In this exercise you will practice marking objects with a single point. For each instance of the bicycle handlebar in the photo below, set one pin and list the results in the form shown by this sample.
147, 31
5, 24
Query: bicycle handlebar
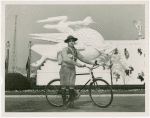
93, 67
96, 65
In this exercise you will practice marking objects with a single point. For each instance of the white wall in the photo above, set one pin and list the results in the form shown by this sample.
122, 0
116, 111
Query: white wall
50, 70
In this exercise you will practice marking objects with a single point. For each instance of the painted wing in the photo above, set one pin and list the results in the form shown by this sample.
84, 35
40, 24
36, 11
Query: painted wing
105, 47
48, 50
53, 37
53, 19
48, 39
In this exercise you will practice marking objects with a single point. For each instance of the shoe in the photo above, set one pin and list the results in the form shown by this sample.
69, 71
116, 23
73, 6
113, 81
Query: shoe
72, 105
65, 107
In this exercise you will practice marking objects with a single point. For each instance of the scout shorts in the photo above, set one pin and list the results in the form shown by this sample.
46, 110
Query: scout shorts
67, 75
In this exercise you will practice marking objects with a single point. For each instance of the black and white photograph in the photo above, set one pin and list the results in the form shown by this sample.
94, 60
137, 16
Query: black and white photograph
75, 58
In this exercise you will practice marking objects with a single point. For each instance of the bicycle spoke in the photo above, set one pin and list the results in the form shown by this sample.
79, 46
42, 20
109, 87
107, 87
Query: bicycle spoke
53, 93
101, 93
97, 88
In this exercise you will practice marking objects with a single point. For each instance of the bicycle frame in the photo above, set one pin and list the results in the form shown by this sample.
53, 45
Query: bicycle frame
91, 78
93, 81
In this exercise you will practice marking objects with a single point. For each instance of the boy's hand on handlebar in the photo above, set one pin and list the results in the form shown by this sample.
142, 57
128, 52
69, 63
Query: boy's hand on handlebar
80, 65
95, 63
99, 62
83, 65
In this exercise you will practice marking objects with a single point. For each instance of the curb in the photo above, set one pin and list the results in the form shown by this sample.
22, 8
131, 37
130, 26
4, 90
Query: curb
43, 96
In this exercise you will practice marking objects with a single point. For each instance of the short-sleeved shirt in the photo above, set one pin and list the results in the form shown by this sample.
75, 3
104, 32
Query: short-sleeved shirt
72, 54
68, 71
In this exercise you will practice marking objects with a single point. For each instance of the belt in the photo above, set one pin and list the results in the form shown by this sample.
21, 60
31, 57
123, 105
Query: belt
68, 65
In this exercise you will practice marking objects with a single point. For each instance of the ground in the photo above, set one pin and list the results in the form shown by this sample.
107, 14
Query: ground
38, 103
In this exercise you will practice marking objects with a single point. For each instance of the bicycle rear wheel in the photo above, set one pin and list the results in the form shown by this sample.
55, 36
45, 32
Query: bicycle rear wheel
101, 93
53, 93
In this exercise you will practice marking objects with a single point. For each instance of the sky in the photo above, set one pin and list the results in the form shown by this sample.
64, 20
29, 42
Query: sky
113, 22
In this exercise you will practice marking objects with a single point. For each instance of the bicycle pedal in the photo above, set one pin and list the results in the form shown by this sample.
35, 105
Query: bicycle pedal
67, 97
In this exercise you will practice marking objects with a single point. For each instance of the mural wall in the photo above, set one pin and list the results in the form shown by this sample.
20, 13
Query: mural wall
127, 64
112, 24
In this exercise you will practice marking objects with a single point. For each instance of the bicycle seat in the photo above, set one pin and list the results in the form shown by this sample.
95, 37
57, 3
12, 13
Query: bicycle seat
98, 78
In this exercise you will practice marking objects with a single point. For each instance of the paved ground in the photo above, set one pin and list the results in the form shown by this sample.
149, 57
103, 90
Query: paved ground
28, 103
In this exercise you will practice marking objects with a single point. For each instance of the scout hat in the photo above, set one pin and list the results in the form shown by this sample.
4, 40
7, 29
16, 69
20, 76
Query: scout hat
70, 37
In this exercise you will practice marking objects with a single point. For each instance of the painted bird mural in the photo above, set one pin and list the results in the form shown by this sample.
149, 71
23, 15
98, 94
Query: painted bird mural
140, 76
140, 51
90, 43
126, 53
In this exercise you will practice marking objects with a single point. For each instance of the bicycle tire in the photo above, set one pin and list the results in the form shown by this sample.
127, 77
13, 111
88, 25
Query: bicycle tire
53, 93
104, 90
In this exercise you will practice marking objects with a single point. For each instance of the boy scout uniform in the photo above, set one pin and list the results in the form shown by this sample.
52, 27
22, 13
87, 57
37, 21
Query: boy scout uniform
68, 71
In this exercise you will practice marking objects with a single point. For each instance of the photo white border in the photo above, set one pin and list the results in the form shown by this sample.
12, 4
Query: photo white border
74, 114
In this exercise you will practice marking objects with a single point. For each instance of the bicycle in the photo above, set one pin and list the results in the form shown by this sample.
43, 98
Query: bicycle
99, 90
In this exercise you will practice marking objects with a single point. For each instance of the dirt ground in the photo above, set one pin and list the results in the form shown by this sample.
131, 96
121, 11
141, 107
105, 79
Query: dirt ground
38, 103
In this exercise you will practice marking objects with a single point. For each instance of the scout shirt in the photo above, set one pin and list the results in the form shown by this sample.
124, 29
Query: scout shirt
71, 53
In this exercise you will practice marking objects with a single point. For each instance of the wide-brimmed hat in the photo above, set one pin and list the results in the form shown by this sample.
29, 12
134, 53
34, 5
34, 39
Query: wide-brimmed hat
70, 37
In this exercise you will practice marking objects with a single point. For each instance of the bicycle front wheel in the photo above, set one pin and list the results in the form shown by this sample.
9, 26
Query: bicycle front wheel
53, 93
101, 93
